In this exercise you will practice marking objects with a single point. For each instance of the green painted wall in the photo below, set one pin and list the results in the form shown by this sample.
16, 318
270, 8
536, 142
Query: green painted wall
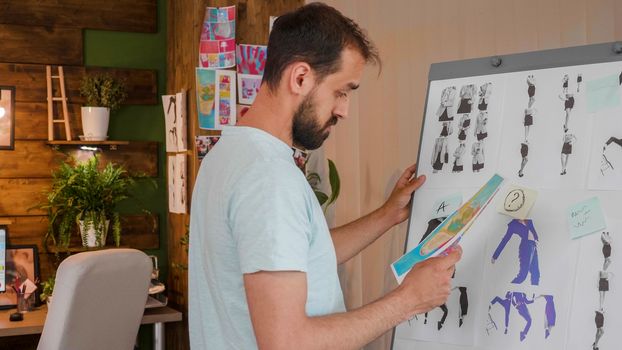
146, 122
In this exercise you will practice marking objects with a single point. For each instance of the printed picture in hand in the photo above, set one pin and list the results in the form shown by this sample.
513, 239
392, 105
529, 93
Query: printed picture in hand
449, 231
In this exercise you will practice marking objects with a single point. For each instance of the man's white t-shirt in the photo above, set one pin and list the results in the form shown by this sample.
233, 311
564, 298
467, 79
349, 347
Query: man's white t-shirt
253, 210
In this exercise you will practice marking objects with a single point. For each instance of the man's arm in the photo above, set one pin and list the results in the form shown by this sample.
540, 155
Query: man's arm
276, 302
351, 238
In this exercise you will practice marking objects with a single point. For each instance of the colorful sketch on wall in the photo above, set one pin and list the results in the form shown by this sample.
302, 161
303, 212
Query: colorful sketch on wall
215, 98
251, 62
204, 144
217, 45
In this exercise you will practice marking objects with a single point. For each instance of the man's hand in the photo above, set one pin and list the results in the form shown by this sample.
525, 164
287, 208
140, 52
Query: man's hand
397, 207
428, 284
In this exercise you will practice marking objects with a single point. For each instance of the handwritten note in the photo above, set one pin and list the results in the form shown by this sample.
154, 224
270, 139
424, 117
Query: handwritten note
446, 205
517, 202
585, 217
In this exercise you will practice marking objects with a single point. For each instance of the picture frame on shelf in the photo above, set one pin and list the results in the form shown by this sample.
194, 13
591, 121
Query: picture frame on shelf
21, 261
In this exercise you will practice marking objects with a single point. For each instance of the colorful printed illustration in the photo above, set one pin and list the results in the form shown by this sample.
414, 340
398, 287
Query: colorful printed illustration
248, 88
215, 97
251, 59
450, 231
217, 46
520, 302
527, 250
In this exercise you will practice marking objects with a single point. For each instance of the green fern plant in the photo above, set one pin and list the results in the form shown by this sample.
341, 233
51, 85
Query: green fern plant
84, 192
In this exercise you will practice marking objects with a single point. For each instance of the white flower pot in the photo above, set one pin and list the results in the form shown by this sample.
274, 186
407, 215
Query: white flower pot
95, 123
93, 237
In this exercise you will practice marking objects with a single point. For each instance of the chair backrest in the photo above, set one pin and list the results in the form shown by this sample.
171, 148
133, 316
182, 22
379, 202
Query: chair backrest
98, 301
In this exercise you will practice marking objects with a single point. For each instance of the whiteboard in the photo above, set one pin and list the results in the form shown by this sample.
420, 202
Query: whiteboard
543, 122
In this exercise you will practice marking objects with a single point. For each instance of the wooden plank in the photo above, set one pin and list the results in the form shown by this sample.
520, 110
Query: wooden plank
19, 195
140, 231
36, 159
31, 121
30, 159
121, 15
29, 79
137, 157
44, 45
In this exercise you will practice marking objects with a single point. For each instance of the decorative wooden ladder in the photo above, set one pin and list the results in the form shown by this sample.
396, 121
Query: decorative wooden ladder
52, 99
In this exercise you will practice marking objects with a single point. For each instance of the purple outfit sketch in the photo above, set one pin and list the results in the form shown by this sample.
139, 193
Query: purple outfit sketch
520, 301
549, 313
505, 303
527, 250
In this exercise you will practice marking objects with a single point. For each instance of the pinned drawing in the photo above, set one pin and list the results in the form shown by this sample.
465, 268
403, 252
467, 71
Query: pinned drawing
569, 140
251, 59
215, 98
521, 303
175, 120
217, 45
446, 110
527, 250
477, 151
531, 90
177, 183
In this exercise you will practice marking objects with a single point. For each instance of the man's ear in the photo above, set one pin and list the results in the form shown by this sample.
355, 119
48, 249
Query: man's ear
301, 78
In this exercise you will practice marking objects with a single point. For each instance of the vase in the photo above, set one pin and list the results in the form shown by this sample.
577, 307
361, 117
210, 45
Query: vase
95, 123
94, 234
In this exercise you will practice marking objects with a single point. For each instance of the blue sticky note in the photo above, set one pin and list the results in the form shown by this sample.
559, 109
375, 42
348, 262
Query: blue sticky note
585, 217
603, 93
445, 206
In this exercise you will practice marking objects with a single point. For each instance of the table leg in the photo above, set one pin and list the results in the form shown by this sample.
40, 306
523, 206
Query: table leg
158, 336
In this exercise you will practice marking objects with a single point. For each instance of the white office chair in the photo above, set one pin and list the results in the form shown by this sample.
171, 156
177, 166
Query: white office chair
99, 300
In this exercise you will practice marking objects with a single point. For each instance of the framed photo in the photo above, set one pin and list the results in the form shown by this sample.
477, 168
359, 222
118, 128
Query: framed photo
22, 262
7, 117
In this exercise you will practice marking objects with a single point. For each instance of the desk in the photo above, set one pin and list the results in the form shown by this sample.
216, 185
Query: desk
34, 320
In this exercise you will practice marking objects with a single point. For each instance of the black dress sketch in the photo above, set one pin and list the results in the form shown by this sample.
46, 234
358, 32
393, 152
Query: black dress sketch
565, 83
524, 152
599, 319
465, 124
603, 286
485, 90
579, 81
531, 90
445, 111
477, 151
458, 162
481, 131
528, 121
606, 239
569, 140
568, 106
439, 154
467, 92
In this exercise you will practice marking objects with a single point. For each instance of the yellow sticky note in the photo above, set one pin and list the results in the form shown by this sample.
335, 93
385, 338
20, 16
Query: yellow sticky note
517, 202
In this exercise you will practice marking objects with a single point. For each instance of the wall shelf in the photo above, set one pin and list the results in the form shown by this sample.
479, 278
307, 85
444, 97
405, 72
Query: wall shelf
111, 144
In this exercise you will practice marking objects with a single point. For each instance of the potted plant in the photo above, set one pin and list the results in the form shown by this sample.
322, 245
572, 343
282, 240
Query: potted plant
104, 94
47, 288
88, 196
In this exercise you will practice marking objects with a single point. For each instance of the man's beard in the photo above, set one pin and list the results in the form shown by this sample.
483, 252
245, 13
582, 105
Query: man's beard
306, 129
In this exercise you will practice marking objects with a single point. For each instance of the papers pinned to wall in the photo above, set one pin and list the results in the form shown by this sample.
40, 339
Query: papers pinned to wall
215, 98
217, 45
175, 120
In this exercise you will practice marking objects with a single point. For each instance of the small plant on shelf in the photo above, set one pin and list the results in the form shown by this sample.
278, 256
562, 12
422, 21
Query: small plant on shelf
103, 90
83, 194
104, 94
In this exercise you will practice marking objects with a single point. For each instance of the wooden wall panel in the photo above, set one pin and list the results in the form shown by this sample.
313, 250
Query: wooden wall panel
30, 159
44, 45
19, 195
31, 84
37, 159
137, 231
120, 15
31, 120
